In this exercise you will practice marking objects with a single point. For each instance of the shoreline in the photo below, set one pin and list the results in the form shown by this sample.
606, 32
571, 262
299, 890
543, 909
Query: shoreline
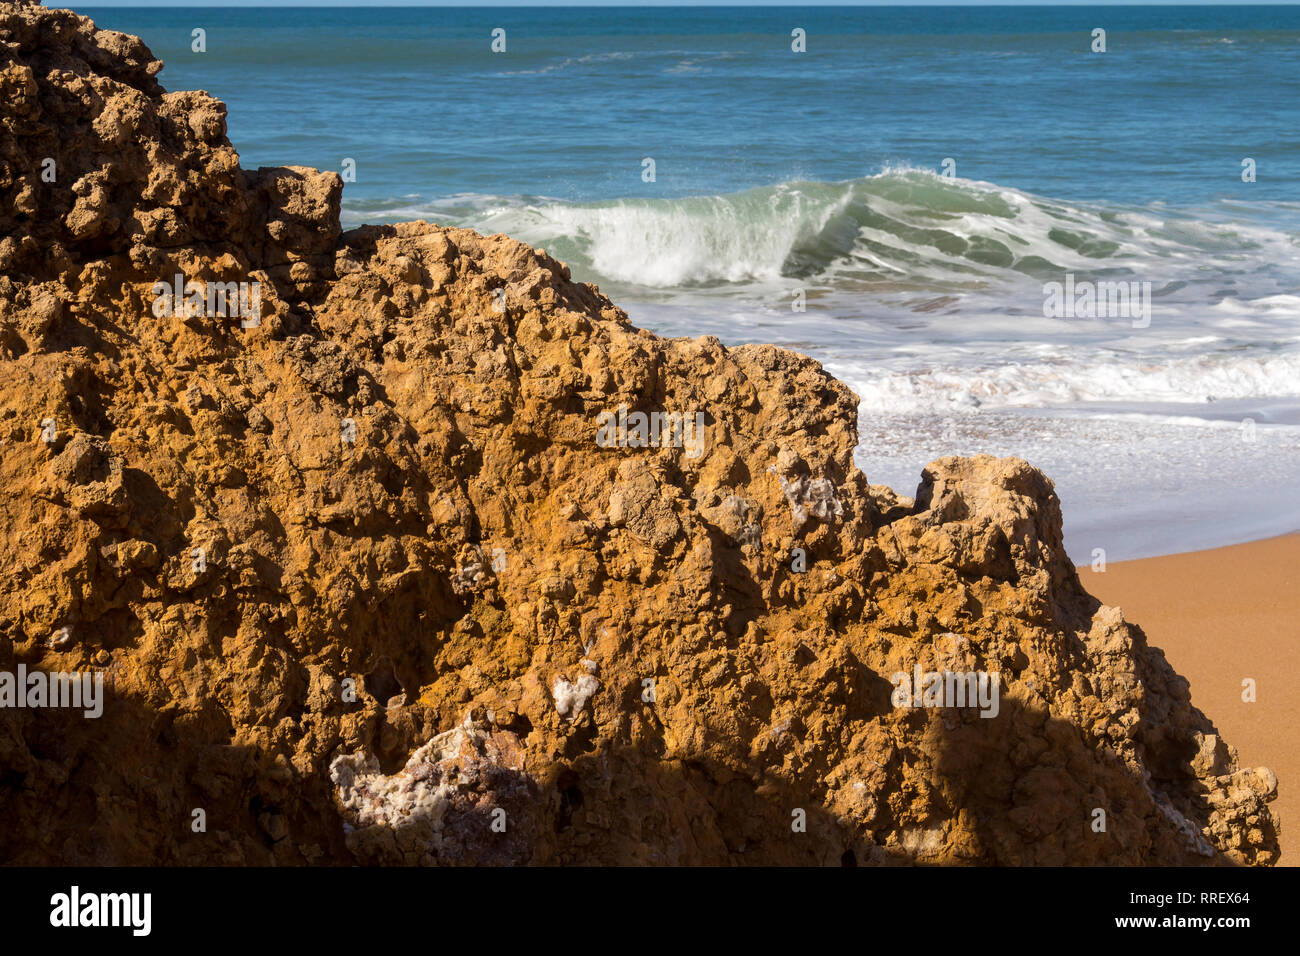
1222, 615
1085, 568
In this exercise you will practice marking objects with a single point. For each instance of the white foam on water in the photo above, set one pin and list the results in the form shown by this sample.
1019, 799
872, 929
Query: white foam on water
951, 389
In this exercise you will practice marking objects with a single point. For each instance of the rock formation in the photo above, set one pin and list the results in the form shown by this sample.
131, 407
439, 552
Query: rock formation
365, 588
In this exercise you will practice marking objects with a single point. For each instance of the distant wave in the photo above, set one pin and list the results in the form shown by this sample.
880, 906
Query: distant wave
570, 61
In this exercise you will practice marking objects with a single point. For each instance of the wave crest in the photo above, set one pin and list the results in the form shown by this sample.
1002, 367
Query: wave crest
903, 229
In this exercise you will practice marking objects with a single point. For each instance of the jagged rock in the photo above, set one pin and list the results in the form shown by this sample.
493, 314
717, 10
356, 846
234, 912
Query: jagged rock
333, 532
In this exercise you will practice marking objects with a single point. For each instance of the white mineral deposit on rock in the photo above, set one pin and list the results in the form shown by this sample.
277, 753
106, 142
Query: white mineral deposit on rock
570, 698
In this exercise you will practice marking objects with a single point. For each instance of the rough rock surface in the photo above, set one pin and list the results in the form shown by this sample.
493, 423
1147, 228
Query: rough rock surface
359, 575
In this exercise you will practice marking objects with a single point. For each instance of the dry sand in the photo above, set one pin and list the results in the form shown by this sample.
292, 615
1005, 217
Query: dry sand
1221, 616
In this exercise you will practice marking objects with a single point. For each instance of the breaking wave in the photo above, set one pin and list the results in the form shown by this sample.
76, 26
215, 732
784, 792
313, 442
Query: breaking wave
903, 229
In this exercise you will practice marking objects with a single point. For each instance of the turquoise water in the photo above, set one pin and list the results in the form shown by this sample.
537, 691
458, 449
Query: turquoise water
814, 178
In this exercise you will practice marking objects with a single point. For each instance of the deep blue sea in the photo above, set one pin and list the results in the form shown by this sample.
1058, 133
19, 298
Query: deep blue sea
893, 200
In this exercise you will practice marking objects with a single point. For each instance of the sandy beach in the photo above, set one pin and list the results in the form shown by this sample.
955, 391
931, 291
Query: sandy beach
1222, 616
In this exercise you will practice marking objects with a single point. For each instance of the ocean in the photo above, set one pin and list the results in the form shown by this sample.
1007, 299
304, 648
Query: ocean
910, 200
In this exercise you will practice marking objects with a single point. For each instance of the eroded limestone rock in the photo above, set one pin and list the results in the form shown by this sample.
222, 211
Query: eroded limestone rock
337, 531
